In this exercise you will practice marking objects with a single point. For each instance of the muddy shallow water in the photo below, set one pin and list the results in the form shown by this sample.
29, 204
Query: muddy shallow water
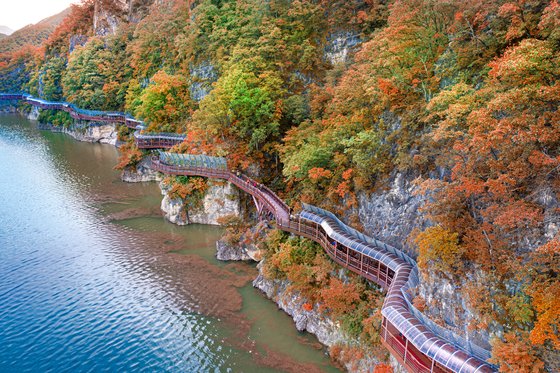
93, 279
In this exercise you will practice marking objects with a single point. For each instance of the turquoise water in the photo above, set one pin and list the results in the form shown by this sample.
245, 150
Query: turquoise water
93, 279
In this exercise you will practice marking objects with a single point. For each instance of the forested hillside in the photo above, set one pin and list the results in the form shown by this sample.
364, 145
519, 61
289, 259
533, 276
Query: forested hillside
18, 49
327, 99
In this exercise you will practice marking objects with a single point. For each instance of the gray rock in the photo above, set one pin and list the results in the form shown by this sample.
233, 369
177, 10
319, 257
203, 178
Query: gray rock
221, 199
141, 173
106, 20
227, 252
339, 46
86, 131
202, 77
391, 215
77, 41
326, 330
33, 114
104, 134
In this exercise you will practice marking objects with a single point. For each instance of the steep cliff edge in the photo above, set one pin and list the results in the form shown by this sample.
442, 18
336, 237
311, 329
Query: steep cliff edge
110, 14
328, 332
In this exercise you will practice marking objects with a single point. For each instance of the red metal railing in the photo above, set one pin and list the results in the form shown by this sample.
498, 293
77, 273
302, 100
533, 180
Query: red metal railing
157, 142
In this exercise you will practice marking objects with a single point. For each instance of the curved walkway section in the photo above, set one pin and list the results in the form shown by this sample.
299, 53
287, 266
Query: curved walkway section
418, 343
215, 167
408, 334
404, 333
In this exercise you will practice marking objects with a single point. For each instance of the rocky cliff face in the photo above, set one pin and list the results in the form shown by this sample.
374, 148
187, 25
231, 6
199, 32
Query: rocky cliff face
246, 247
203, 75
105, 134
33, 114
226, 252
221, 199
110, 14
340, 46
391, 215
327, 331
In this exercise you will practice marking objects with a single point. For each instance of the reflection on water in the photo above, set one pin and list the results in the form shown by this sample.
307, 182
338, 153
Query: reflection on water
92, 278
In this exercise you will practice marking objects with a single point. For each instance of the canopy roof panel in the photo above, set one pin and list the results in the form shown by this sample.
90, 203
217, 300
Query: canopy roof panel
192, 161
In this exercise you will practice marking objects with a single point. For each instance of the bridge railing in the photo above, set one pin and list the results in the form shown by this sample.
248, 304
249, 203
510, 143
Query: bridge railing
279, 200
246, 184
74, 111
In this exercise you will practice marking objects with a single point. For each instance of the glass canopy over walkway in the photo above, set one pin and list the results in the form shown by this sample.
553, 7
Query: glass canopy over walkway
193, 161
403, 325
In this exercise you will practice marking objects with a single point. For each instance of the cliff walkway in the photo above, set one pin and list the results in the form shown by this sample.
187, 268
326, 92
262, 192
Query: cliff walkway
408, 334
414, 340
143, 140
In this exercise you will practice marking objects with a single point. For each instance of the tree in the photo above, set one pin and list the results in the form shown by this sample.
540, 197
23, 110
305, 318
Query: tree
97, 74
339, 298
439, 249
165, 103
513, 354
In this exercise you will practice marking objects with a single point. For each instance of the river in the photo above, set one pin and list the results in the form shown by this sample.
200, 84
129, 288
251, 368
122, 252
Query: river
93, 279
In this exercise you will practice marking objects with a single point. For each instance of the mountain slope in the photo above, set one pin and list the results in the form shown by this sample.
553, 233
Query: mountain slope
30, 35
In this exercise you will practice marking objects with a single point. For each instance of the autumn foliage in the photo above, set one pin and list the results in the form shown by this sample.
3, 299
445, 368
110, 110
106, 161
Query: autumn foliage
351, 302
328, 101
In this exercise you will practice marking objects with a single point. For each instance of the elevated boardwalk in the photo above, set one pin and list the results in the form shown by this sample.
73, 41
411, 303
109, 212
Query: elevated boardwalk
406, 333
157, 140
143, 140
415, 341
